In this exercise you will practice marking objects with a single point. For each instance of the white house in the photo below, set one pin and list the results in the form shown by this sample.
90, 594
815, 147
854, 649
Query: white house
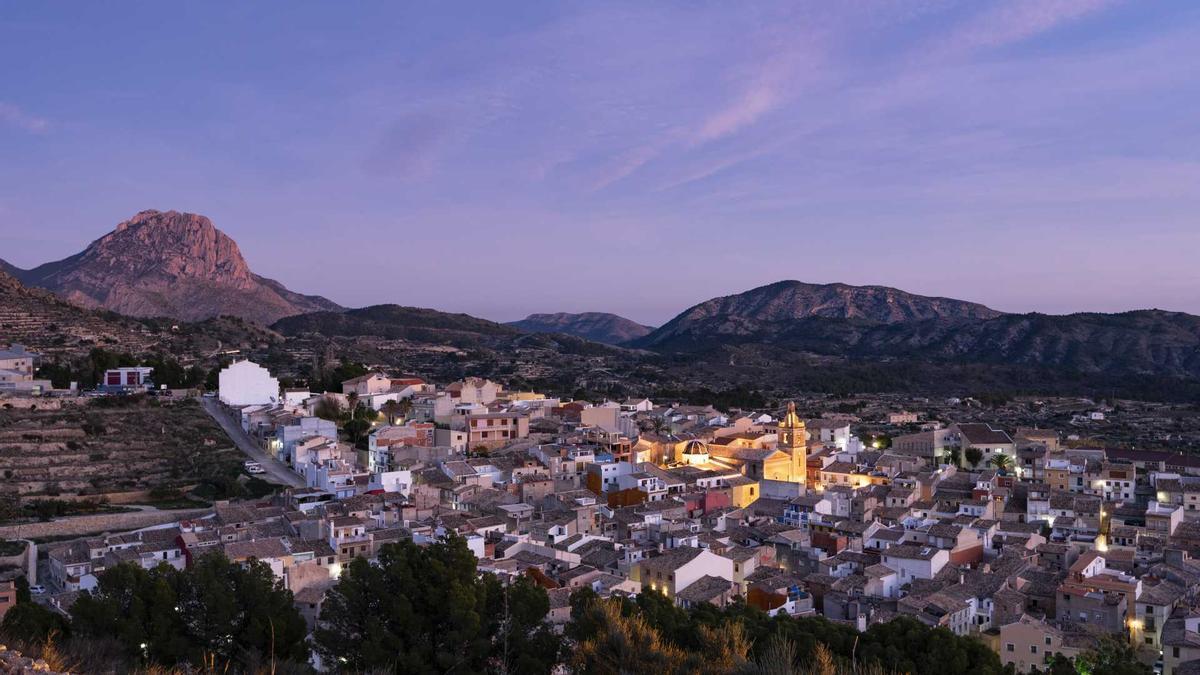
288, 435
296, 397
833, 432
247, 383
392, 481
913, 561
633, 405
676, 569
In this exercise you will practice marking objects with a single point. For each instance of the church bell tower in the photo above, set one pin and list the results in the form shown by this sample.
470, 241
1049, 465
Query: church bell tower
793, 439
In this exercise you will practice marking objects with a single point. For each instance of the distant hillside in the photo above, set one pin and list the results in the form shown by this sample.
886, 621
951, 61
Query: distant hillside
396, 322
873, 323
761, 312
595, 326
169, 264
50, 325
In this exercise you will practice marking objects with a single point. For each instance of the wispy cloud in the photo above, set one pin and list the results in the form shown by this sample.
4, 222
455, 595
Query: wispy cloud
757, 100
1012, 22
772, 82
14, 116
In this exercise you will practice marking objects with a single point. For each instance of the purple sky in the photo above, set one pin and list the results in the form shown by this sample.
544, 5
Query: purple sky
504, 158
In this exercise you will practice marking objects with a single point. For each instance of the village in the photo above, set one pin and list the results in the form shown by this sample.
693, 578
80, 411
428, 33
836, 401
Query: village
1032, 544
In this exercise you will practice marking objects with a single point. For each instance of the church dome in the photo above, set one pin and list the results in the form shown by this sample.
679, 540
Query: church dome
695, 452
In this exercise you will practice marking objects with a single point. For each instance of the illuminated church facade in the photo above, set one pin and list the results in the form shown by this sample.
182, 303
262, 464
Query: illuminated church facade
786, 460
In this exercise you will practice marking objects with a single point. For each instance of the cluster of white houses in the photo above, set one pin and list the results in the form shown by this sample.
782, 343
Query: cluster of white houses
1007, 535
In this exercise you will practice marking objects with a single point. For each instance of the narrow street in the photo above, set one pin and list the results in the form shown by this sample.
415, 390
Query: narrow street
277, 471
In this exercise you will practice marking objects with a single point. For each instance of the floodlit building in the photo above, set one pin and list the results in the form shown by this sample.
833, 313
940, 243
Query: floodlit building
247, 383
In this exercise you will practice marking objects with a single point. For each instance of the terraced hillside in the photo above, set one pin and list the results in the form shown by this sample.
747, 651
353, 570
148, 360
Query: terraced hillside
110, 447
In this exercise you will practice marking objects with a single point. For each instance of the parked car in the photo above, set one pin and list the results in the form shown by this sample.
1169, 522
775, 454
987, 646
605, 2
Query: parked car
254, 467
37, 589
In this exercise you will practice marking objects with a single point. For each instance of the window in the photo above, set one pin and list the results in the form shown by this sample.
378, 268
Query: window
1009, 647
1047, 640
1032, 649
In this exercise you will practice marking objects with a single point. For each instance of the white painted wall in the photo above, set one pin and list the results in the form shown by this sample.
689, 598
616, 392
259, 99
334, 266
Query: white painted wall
247, 383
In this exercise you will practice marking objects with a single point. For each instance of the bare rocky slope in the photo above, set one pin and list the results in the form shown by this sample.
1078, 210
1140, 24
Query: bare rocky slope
595, 326
169, 264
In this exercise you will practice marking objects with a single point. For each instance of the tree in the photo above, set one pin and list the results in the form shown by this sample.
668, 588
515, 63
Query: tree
356, 428
973, 455
329, 409
954, 454
424, 609
524, 642
1112, 655
215, 612
392, 410
30, 623
1001, 461
212, 380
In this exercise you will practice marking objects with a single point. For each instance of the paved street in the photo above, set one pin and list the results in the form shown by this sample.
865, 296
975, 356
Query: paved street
277, 471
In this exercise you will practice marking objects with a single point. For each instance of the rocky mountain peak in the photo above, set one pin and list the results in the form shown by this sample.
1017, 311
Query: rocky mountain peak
168, 263
171, 244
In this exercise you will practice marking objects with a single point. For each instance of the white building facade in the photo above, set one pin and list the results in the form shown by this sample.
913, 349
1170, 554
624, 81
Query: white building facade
247, 383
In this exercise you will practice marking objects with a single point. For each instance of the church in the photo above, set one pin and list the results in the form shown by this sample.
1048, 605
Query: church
785, 460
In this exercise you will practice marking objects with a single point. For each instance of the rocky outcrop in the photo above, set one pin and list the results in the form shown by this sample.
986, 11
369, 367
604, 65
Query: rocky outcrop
171, 264
595, 326
13, 663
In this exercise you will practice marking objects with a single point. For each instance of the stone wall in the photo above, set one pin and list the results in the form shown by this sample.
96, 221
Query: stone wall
103, 522
31, 403
25, 560
121, 498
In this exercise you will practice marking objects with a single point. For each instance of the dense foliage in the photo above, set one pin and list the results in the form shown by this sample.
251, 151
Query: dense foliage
213, 612
88, 371
901, 645
426, 610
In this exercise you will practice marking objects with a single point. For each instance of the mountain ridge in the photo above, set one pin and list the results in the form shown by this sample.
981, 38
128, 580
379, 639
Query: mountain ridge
939, 330
168, 263
603, 327
747, 312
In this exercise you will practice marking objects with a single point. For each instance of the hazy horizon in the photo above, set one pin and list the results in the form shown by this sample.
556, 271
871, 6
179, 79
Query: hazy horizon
502, 160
